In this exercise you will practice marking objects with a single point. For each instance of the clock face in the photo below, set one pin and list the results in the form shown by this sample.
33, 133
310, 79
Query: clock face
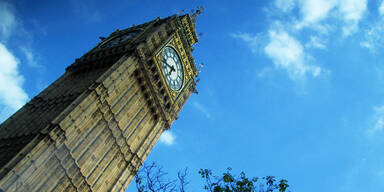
120, 39
172, 68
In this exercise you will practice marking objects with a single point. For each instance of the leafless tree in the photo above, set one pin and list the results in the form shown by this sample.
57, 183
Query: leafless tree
151, 178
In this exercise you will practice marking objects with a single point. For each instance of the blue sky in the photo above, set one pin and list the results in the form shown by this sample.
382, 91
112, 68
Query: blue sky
291, 88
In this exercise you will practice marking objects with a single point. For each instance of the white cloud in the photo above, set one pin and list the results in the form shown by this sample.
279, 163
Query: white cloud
30, 60
264, 72
7, 20
320, 15
11, 92
353, 9
377, 125
167, 138
314, 11
381, 8
30, 57
367, 45
252, 40
12, 95
316, 42
8, 24
287, 53
285, 5
202, 109
373, 36
352, 12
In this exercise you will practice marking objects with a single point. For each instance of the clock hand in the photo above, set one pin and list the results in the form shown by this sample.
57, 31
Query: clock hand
170, 66
172, 69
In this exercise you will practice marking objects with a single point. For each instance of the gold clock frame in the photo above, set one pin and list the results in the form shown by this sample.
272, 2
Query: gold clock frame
175, 42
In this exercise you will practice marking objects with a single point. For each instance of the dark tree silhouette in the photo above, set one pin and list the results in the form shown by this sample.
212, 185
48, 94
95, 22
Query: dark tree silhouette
232, 183
151, 178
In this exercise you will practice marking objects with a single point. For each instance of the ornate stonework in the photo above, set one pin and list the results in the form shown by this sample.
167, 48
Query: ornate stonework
92, 128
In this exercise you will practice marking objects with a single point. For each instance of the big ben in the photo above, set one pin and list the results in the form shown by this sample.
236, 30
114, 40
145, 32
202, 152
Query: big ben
93, 127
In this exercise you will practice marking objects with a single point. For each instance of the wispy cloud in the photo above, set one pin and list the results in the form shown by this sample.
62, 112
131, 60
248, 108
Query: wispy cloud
32, 61
84, 9
374, 33
381, 8
30, 57
316, 42
7, 20
285, 5
374, 36
377, 121
167, 138
264, 72
252, 40
202, 109
287, 53
320, 14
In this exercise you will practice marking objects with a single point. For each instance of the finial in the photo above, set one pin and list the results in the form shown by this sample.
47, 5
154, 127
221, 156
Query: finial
201, 65
194, 90
102, 38
181, 12
196, 13
199, 35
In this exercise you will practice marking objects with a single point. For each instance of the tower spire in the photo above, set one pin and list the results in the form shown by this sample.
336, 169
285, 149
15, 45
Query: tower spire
92, 128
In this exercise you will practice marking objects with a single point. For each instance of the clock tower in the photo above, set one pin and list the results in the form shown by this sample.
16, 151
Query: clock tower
92, 128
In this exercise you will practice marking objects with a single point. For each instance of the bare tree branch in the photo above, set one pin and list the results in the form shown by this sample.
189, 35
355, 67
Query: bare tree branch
151, 178
183, 182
